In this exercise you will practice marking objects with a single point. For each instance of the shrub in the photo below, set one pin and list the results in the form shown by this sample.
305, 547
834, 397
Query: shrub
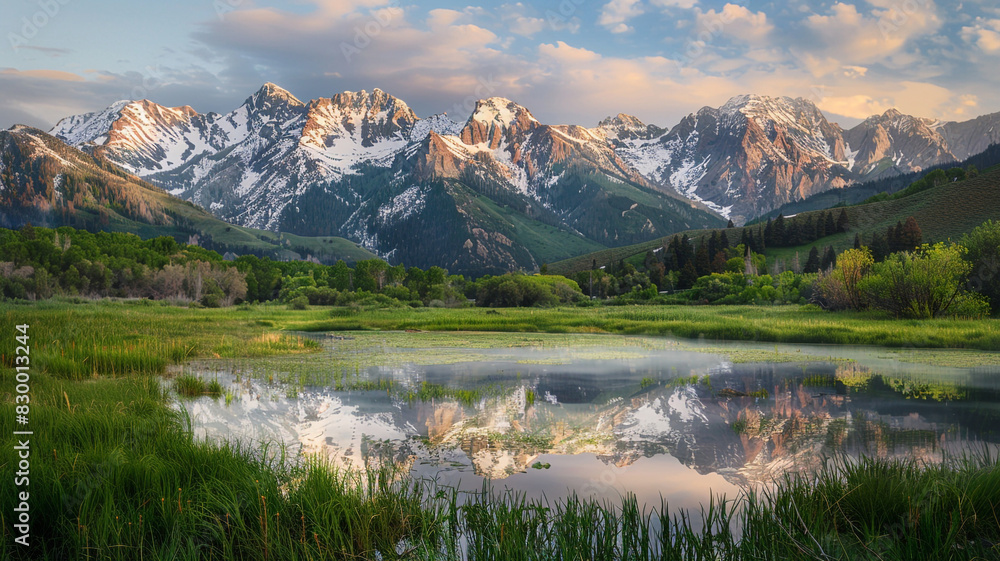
983, 245
298, 303
517, 289
919, 284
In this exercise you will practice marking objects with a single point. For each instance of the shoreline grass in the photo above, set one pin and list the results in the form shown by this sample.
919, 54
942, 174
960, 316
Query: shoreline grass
778, 324
117, 474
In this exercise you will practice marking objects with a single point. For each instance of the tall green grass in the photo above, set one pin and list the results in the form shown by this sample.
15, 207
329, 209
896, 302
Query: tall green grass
785, 324
117, 474
110, 338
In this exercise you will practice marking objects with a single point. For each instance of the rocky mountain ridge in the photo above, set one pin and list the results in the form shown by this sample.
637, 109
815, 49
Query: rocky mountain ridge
357, 163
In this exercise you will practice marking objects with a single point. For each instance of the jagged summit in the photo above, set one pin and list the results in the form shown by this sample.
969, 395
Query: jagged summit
271, 92
626, 127
500, 110
497, 120
622, 120
363, 165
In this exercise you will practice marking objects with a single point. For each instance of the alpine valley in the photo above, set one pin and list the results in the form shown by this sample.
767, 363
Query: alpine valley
500, 191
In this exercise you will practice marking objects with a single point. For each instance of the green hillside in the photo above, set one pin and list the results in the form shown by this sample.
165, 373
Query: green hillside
857, 194
47, 183
944, 212
545, 242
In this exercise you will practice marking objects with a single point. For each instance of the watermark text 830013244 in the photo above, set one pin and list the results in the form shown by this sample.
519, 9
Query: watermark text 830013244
22, 436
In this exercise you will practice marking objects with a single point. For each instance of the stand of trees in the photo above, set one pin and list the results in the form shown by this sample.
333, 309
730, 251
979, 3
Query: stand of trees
895, 273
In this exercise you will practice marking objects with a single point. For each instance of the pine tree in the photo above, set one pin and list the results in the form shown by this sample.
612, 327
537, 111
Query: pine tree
730, 224
829, 225
880, 248
670, 255
650, 259
793, 234
702, 261
685, 251
910, 236
857, 241
843, 222
713, 244
813, 262
688, 276
719, 262
893, 236
723, 241
829, 259
778, 233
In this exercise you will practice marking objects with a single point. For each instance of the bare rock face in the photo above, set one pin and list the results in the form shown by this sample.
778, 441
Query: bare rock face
750, 155
436, 158
970, 137
362, 165
756, 153
895, 143
497, 121
364, 118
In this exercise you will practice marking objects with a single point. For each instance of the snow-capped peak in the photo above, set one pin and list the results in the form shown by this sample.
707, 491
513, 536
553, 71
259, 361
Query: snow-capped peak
84, 128
501, 111
440, 123
270, 94
624, 126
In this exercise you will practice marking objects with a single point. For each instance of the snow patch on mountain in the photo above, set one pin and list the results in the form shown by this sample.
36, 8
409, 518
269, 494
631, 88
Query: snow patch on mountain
409, 202
81, 129
498, 110
440, 123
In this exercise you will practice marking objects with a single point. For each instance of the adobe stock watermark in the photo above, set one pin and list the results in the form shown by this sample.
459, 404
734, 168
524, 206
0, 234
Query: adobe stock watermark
151, 80
710, 30
223, 7
31, 25
486, 86
900, 15
563, 14
364, 34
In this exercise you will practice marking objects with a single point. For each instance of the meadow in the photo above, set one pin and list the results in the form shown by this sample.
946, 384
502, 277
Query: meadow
778, 324
117, 474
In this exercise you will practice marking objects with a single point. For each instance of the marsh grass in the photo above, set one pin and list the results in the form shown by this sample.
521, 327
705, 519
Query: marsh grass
851, 509
788, 324
116, 474
188, 385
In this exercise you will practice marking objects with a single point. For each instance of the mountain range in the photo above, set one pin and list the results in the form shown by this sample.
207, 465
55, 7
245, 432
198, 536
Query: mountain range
501, 190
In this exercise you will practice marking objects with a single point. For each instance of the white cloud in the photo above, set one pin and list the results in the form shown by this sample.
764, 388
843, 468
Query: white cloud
735, 21
616, 13
854, 106
983, 34
854, 71
526, 22
845, 36
687, 4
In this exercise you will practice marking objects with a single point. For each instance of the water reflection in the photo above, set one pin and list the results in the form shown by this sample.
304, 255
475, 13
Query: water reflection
552, 421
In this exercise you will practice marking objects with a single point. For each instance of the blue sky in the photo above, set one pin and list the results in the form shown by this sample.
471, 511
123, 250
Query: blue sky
568, 61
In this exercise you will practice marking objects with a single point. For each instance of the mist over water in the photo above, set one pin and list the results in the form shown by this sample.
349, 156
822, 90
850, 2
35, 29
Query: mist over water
588, 416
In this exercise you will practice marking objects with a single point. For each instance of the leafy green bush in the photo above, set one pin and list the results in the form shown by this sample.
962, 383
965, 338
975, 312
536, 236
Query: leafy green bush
298, 303
518, 289
919, 284
983, 245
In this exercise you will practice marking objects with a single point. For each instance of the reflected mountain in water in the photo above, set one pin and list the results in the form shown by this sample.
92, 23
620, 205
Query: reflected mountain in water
505, 414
